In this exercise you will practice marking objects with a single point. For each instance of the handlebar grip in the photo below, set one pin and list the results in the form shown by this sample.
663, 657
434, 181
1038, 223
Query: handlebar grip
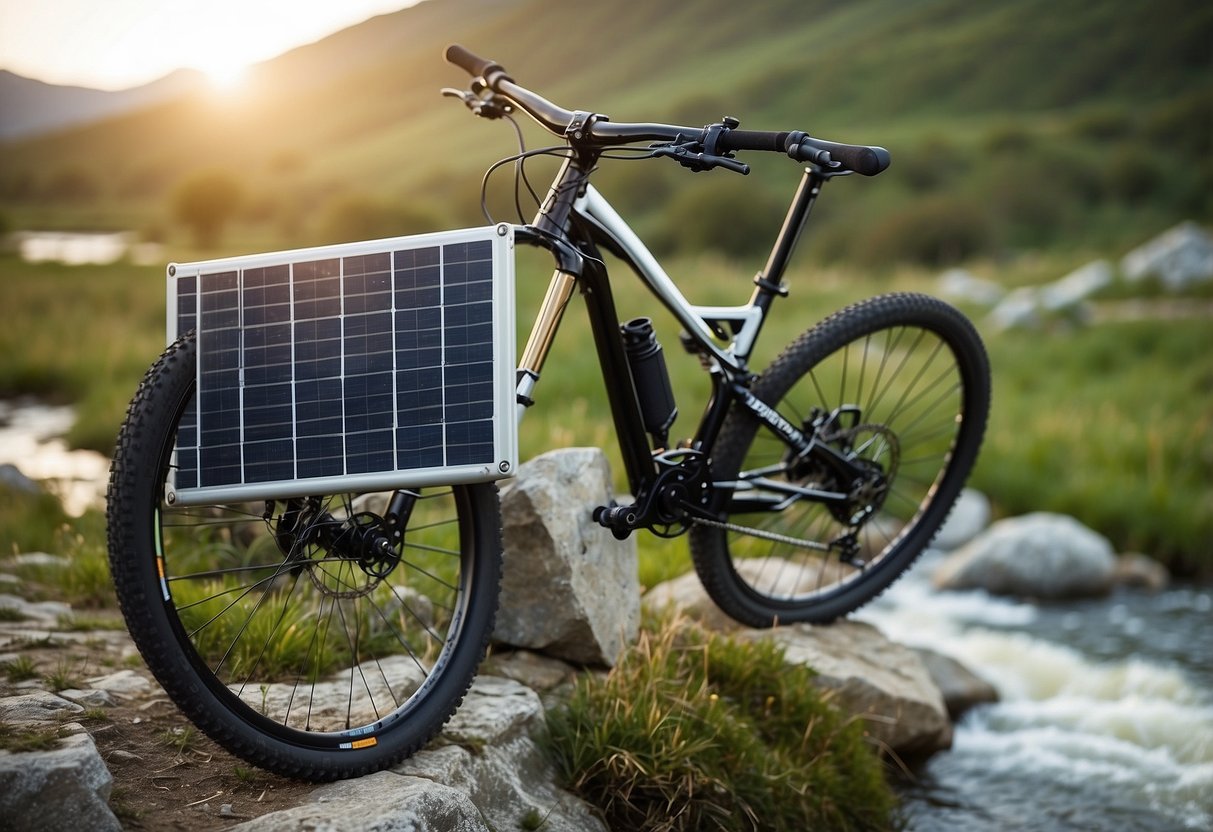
753, 140
473, 64
862, 159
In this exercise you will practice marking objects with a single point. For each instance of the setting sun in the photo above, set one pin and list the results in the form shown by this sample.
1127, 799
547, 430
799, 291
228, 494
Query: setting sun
225, 77
124, 43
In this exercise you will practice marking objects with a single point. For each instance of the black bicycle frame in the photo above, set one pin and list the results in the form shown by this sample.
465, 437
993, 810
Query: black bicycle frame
559, 224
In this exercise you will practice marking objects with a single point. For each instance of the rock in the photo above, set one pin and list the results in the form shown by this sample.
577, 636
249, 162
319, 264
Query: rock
121, 683
36, 709
347, 693
42, 612
40, 559
383, 802
1020, 309
961, 285
492, 775
538, 672
1070, 293
1039, 555
885, 683
1180, 258
686, 594
63, 788
12, 479
962, 689
776, 575
969, 517
88, 698
498, 764
1137, 571
569, 588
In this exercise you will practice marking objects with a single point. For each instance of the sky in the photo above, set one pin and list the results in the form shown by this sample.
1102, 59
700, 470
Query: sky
114, 44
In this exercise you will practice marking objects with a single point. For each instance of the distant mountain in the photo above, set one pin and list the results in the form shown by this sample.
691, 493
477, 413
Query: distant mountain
29, 107
1030, 120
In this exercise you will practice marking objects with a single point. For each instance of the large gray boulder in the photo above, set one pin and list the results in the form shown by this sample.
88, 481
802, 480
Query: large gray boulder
67, 787
1038, 555
969, 517
569, 588
881, 681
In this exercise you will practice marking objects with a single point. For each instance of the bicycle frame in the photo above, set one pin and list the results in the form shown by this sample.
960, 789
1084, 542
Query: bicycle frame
575, 215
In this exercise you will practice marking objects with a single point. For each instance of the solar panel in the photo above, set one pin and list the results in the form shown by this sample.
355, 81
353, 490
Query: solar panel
356, 367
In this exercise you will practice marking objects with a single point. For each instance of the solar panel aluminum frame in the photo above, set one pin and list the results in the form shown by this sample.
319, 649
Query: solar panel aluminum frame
432, 375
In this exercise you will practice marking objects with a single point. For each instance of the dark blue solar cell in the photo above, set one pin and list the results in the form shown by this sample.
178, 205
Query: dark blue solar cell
269, 461
187, 467
419, 446
320, 456
219, 464
363, 264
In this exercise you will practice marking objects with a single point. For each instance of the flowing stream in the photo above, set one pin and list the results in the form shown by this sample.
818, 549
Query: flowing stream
1106, 713
31, 439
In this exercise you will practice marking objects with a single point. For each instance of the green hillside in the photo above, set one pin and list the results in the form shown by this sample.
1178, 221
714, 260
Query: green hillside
1020, 123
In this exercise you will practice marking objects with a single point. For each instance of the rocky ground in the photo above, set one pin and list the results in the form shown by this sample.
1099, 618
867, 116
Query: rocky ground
86, 678
88, 740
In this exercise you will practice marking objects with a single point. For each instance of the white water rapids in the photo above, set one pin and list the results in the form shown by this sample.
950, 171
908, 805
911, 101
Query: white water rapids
1106, 714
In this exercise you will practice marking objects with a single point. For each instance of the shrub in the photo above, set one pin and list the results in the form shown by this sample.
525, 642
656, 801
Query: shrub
934, 231
721, 213
695, 731
205, 202
359, 217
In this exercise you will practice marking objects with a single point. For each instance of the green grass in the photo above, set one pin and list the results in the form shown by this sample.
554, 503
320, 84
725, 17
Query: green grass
66, 675
695, 731
80, 335
1112, 424
1109, 423
20, 669
17, 740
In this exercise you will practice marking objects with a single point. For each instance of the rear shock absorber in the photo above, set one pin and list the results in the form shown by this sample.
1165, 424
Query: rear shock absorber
650, 378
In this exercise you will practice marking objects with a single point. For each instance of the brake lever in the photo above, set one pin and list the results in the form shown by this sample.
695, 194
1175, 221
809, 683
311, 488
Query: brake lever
697, 161
485, 107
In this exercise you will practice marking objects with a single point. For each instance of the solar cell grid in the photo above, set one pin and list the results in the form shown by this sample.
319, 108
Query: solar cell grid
357, 365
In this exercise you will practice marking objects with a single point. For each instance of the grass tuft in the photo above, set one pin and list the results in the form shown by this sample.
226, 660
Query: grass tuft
20, 669
18, 740
695, 731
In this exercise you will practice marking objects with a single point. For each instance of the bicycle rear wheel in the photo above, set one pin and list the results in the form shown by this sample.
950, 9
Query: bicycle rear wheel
276, 626
898, 385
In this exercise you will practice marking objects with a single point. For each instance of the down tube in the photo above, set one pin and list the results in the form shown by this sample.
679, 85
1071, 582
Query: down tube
595, 207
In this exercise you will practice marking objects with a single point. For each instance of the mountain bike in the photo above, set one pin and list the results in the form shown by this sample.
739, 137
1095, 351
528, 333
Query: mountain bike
324, 634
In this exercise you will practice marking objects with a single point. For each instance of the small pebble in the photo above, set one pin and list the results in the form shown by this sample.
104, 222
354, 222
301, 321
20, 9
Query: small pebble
226, 809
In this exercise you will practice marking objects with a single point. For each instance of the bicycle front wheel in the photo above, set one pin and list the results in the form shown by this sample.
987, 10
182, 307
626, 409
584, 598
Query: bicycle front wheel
275, 625
898, 386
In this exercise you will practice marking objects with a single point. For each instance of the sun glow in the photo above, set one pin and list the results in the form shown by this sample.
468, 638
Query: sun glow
226, 77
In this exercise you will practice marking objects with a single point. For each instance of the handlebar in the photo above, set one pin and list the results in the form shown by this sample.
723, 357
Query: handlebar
597, 131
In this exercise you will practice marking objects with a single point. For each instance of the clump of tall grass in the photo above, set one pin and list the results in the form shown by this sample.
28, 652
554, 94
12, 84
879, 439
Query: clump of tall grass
695, 731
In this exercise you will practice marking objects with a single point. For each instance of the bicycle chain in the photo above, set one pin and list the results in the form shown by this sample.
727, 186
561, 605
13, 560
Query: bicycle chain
765, 535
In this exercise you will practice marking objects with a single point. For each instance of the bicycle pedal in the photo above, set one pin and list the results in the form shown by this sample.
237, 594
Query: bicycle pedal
621, 520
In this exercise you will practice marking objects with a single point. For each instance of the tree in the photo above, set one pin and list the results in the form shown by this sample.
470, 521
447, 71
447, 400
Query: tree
205, 201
